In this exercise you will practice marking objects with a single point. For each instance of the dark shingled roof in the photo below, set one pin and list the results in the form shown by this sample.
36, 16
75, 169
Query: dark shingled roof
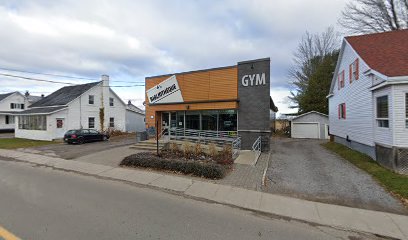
43, 110
64, 95
3, 96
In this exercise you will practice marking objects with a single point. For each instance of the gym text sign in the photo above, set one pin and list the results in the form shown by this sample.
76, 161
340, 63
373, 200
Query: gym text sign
253, 80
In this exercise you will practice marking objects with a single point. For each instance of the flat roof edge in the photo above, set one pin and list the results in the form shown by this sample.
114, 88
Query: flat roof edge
255, 60
194, 71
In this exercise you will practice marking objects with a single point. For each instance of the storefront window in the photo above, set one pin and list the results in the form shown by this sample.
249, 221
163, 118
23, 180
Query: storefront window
209, 120
180, 119
227, 120
193, 120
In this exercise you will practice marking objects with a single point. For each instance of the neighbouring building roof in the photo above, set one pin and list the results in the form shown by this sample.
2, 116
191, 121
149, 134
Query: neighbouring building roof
40, 110
386, 53
311, 112
33, 99
272, 105
64, 95
3, 96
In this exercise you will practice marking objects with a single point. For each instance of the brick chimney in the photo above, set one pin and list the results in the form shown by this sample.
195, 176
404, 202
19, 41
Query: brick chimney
105, 99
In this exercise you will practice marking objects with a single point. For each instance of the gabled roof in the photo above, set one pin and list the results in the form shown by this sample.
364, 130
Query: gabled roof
3, 96
33, 99
304, 114
64, 95
386, 53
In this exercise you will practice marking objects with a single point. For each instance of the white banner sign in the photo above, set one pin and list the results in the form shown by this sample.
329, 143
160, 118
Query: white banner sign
167, 91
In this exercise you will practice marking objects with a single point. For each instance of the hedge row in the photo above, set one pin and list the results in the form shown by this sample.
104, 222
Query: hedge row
200, 169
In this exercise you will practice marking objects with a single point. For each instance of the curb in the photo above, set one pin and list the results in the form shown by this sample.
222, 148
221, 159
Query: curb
340, 217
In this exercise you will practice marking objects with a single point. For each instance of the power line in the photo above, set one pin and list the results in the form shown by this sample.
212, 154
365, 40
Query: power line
50, 81
47, 74
34, 79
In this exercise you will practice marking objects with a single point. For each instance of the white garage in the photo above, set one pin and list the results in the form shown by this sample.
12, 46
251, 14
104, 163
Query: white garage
313, 125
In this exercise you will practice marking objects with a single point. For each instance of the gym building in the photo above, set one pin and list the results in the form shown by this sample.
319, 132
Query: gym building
220, 102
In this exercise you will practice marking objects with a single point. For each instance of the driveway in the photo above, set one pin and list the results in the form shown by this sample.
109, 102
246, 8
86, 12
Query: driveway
72, 151
305, 169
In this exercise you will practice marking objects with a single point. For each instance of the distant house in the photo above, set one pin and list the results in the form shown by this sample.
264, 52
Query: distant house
135, 118
368, 99
93, 105
11, 103
310, 125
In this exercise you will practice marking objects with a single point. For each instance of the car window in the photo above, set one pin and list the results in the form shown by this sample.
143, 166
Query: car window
85, 131
71, 132
93, 131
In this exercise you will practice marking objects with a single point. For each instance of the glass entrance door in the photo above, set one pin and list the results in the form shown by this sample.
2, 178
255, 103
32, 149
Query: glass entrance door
165, 122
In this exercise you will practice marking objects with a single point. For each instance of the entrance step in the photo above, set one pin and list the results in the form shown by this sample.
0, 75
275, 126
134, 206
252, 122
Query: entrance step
246, 157
148, 145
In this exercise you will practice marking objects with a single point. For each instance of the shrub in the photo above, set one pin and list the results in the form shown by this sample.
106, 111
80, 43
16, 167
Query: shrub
174, 148
187, 150
212, 150
148, 160
197, 150
225, 156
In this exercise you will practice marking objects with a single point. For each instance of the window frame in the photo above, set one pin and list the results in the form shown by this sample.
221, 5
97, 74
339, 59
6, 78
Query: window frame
89, 99
406, 110
111, 102
341, 79
89, 122
354, 71
382, 121
342, 110
112, 122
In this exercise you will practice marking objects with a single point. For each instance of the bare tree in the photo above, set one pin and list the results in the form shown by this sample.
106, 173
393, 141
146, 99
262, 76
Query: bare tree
309, 54
372, 16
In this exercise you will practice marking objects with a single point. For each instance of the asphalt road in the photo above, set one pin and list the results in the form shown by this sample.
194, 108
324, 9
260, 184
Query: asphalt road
304, 169
42, 203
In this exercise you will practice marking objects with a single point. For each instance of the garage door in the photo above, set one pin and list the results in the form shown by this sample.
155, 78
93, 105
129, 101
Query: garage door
305, 130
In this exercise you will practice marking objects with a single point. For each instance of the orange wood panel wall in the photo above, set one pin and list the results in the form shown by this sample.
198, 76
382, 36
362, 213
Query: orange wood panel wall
212, 84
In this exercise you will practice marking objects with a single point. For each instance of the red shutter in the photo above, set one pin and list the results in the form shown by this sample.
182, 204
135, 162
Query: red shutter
351, 73
344, 110
338, 109
357, 69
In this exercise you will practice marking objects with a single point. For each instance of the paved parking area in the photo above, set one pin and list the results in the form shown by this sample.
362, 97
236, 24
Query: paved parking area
72, 151
304, 169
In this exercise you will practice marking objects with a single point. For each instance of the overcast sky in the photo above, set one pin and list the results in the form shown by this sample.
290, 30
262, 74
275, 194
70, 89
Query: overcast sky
129, 40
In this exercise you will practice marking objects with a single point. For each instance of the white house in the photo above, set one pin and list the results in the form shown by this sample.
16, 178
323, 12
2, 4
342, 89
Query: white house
11, 103
93, 105
368, 99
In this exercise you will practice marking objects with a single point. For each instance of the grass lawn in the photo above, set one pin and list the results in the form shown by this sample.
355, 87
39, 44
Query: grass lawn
393, 182
13, 143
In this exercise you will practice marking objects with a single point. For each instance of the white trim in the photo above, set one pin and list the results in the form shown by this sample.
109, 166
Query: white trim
304, 114
387, 83
28, 114
16, 92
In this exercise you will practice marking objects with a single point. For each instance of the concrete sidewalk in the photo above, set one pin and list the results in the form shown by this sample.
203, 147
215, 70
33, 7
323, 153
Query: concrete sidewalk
384, 224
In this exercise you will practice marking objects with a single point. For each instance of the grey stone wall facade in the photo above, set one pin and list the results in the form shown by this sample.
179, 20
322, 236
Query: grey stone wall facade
254, 101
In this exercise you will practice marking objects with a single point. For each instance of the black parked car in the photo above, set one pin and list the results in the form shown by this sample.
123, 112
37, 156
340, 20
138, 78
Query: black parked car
84, 135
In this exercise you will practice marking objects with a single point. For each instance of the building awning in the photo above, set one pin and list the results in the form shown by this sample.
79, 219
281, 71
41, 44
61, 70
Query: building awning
272, 105
43, 110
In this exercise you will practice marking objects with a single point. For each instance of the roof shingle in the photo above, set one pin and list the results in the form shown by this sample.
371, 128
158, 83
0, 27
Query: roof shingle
64, 95
3, 96
386, 53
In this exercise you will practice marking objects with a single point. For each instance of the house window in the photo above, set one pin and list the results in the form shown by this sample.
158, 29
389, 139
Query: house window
382, 112
111, 122
34, 122
91, 122
16, 106
354, 71
342, 111
91, 99
9, 119
60, 123
111, 102
406, 110
341, 79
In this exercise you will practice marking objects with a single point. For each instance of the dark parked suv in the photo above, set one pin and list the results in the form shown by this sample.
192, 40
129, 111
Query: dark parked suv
84, 135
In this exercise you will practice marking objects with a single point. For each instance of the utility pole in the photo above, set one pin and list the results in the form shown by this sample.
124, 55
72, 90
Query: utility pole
157, 137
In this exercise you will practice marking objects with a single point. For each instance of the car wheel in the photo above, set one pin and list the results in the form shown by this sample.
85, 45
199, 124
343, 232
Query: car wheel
105, 138
81, 141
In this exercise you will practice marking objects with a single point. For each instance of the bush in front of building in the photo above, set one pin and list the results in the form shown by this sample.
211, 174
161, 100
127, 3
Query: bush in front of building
225, 156
195, 168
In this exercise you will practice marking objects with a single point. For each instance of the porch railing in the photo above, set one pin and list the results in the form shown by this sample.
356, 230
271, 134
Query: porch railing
236, 147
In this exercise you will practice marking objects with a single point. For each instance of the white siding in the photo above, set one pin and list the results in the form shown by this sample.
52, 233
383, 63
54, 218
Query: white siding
400, 130
46, 135
5, 106
358, 124
135, 122
383, 135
